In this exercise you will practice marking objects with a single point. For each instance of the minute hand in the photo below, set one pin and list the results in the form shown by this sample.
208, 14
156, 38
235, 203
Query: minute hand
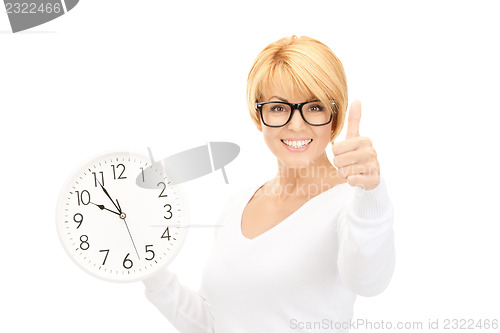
106, 192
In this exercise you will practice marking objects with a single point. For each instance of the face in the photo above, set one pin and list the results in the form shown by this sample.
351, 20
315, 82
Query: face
287, 142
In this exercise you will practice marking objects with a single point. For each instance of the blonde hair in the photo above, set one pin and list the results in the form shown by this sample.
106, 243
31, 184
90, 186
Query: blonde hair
300, 65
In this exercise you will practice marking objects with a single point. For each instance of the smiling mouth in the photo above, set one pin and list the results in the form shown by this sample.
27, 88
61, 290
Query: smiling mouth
296, 144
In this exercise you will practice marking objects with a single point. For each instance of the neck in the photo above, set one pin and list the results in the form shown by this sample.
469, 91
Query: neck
305, 180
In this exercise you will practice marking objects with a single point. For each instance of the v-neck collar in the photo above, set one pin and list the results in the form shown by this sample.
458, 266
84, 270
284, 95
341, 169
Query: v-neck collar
289, 217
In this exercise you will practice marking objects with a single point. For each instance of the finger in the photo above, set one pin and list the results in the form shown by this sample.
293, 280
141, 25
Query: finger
365, 182
350, 170
350, 158
368, 169
351, 144
357, 180
353, 120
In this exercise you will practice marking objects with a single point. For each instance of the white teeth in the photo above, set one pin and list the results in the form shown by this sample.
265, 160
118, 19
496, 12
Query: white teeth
297, 144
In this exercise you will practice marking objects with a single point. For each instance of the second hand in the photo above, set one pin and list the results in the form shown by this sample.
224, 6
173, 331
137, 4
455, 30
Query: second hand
122, 216
132, 239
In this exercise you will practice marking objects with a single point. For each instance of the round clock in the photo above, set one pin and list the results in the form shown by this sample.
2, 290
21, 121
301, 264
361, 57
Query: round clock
119, 219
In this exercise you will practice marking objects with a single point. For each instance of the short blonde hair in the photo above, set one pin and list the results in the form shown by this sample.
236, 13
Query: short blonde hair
300, 65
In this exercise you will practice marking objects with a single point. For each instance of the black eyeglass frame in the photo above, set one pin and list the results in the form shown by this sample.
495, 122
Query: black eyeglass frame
293, 106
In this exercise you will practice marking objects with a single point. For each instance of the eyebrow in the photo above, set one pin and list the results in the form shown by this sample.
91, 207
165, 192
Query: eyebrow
280, 98
285, 100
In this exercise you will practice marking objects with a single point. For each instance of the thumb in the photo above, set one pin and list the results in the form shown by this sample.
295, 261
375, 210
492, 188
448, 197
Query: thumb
353, 119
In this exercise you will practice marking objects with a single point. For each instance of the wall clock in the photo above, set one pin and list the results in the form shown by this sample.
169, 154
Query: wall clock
116, 229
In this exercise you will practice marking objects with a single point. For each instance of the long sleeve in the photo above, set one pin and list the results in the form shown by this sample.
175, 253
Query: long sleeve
366, 241
186, 309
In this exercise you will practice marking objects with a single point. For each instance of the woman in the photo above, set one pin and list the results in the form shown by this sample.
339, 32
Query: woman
294, 252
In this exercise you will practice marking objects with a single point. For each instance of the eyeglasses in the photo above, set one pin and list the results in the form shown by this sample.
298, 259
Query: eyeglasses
278, 114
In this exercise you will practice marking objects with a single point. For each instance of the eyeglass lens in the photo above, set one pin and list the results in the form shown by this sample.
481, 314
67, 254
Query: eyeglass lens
277, 114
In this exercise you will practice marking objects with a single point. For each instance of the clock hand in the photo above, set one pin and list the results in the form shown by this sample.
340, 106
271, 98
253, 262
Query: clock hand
131, 238
119, 207
122, 216
106, 192
102, 208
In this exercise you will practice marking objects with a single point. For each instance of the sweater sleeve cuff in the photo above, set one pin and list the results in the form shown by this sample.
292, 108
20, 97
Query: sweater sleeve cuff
371, 204
158, 280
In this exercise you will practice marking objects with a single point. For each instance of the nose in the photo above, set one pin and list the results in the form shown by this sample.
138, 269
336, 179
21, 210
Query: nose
296, 123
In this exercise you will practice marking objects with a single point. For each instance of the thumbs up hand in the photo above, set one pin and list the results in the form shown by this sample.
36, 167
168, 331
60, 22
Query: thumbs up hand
355, 157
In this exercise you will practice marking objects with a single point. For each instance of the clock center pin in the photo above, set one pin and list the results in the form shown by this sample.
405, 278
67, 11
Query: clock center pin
123, 216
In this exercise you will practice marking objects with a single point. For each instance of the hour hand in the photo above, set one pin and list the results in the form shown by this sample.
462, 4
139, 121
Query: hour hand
104, 208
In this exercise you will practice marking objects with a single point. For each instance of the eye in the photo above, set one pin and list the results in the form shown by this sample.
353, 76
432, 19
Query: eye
278, 108
315, 108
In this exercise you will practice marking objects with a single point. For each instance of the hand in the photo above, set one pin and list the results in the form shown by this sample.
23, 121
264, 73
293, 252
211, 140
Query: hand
122, 216
355, 157
106, 192
101, 207
133, 243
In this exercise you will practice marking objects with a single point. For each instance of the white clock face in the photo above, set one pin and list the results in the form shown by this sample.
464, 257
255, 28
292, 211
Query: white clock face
113, 228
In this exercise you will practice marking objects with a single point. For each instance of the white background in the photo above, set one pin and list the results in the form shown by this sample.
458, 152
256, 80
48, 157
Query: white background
125, 75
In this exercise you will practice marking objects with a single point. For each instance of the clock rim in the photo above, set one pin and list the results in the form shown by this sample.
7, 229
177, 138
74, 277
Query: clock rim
59, 220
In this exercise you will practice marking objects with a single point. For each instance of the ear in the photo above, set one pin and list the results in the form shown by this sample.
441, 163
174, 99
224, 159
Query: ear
259, 125
334, 123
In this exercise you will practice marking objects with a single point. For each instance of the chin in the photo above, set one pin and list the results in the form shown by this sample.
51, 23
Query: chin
296, 161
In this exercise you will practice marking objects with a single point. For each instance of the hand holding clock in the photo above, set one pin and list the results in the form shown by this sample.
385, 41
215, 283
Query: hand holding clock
355, 157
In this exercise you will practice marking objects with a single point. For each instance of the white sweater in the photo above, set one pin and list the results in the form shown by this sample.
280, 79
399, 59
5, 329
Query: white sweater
300, 276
